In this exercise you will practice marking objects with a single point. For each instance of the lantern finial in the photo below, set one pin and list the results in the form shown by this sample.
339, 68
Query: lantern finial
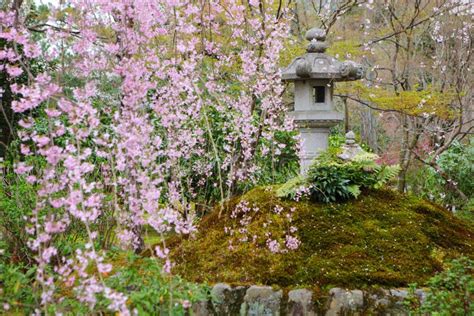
316, 38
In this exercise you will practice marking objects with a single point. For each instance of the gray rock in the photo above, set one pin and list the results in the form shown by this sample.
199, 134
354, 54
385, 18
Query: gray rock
400, 294
227, 300
383, 303
396, 306
344, 302
201, 309
261, 301
219, 292
300, 303
421, 295
264, 301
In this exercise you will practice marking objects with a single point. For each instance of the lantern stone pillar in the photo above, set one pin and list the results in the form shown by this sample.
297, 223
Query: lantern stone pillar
314, 75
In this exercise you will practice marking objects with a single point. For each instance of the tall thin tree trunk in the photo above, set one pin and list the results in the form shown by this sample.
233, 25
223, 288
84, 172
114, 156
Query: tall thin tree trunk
404, 155
346, 115
6, 120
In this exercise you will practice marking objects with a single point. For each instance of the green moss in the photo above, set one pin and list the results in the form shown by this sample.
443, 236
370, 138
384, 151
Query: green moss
383, 238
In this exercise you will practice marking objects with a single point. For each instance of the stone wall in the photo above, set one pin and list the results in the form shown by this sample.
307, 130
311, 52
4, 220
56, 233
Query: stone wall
266, 301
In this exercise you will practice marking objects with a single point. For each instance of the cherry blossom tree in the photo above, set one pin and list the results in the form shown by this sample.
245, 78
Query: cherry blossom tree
145, 104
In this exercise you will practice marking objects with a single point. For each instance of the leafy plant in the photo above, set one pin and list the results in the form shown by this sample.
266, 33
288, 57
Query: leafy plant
330, 183
290, 188
148, 290
458, 163
331, 179
16, 292
17, 199
450, 292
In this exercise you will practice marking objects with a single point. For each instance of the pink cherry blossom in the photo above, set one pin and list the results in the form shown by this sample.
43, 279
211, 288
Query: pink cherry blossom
14, 71
135, 137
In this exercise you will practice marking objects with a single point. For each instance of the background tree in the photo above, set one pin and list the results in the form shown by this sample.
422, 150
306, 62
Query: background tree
418, 90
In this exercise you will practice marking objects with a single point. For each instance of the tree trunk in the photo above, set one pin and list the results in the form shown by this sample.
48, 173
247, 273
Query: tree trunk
6, 118
404, 155
346, 115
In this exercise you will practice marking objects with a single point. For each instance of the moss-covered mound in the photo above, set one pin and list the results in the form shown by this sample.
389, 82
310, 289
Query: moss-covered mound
382, 238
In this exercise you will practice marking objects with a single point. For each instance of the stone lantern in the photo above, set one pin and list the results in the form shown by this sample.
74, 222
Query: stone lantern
314, 75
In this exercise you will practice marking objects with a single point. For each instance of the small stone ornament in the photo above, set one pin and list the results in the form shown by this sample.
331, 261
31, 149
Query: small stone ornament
350, 149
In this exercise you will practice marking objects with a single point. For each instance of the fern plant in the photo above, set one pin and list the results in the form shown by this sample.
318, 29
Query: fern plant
290, 188
385, 174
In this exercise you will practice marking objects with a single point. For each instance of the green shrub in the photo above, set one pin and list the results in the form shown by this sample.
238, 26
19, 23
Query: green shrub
458, 163
17, 199
450, 292
149, 291
329, 183
331, 179
16, 292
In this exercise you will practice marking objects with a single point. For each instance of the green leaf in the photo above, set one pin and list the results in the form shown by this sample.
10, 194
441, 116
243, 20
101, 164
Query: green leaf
354, 190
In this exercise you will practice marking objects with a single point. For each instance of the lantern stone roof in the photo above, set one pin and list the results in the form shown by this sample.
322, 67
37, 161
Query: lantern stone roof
315, 64
316, 119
